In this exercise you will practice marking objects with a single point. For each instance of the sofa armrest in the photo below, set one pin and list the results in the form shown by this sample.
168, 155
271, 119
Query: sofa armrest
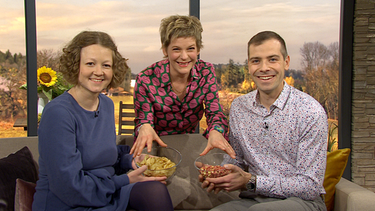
351, 197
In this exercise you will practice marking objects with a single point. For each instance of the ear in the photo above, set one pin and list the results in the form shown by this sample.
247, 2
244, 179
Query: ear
287, 62
165, 52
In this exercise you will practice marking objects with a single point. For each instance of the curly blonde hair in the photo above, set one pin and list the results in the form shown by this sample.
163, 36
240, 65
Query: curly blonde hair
177, 26
70, 59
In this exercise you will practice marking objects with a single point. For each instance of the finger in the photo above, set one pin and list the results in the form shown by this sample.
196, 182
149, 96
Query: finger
206, 150
160, 142
158, 178
205, 184
149, 146
217, 190
230, 152
210, 187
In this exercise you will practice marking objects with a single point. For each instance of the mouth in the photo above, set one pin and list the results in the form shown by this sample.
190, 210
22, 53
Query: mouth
96, 80
266, 77
183, 64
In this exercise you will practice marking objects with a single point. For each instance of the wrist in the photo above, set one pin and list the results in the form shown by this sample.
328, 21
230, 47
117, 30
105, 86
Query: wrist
251, 185
218, 129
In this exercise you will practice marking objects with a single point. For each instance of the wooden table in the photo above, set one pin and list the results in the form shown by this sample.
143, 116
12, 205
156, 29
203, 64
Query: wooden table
21, 122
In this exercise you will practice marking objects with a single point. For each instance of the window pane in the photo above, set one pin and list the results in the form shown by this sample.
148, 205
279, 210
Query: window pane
133, 24
306, 26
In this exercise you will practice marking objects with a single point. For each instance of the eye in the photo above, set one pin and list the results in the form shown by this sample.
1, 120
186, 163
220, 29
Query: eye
191, 49
254, 61
274, 59
90, 64
107, 66
175, 49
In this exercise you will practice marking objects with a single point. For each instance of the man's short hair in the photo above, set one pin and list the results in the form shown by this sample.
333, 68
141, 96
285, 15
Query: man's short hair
263, 36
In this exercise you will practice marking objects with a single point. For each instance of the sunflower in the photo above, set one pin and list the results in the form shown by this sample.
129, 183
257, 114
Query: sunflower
46, 76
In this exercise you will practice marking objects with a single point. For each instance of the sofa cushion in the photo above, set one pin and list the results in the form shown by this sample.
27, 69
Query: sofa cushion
24, 195
18, 165
336, 163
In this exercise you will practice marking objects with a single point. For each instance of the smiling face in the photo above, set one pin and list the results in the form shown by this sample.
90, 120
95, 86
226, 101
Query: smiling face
182, 54
267, 67
95, 69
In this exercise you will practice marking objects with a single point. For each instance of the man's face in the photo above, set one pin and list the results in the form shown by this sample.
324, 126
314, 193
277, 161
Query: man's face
267, 67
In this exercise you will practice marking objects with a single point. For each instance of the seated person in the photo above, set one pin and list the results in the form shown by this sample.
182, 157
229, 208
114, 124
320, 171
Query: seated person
171, 95
279, 135
80, 165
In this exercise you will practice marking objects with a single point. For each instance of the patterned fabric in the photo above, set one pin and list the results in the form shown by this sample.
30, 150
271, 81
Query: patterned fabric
285, 147
157, 104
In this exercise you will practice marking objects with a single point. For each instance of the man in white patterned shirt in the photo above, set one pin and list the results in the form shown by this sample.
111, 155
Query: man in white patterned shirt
279, 135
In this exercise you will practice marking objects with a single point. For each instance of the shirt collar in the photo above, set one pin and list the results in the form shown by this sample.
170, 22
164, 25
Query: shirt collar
280, 102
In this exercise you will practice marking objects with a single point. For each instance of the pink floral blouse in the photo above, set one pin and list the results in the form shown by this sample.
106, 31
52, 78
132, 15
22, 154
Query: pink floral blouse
156, 103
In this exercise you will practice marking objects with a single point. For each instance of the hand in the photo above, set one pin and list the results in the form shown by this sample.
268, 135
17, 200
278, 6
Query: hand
217, 140
237, 179
137, 176
145, 137
139, 159
205, 183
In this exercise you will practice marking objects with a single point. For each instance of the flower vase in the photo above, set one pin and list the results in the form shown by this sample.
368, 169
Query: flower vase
42, 102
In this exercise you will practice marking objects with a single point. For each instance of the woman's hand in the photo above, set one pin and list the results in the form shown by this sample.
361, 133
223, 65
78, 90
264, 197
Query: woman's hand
146, 136
217, 140
137, 176
235, 180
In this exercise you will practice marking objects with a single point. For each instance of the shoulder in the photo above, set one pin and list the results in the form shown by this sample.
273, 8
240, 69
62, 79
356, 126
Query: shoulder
157, 71
305, 102
104, 98
154, 69
202, 65
246, 98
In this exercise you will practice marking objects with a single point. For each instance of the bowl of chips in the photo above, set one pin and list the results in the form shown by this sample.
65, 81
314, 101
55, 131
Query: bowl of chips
212, 164
161, 161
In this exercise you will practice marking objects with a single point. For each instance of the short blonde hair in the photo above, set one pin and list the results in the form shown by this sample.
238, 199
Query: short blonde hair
177, 26
70, 59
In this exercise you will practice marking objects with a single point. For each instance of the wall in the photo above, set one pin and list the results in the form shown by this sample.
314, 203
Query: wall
363, 104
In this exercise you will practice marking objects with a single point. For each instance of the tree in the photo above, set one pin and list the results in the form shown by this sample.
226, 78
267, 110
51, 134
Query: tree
320, 67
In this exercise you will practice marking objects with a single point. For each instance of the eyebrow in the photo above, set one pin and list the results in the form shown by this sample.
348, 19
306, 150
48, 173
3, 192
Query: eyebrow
268, 57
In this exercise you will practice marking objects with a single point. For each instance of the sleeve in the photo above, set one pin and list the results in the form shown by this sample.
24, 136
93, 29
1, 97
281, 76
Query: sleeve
213, 109
234, 137
60, 161
307, 181
144, 112
124, 160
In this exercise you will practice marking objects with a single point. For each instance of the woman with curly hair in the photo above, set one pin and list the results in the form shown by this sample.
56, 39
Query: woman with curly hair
80, 165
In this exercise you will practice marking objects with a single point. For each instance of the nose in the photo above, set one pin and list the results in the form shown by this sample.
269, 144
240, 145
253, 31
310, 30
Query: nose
184, 55
98, 70
263, 66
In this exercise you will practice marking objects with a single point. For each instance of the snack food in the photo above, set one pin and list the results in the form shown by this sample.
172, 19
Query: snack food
157, 166
213, 171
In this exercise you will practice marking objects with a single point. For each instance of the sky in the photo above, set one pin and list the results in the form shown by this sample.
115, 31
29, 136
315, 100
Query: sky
134, 25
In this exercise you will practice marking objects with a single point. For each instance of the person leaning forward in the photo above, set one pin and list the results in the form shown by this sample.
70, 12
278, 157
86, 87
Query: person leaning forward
279, 135
171, 95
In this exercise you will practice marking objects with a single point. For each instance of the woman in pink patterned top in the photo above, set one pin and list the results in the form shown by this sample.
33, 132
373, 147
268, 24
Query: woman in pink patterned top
171, 96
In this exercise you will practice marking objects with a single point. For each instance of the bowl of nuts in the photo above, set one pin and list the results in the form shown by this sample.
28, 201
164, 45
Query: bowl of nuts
212, 164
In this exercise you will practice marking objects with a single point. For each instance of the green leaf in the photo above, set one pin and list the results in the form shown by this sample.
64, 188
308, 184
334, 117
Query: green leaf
48, 94
24, 87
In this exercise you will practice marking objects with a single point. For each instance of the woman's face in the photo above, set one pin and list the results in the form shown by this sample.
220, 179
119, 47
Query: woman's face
95, 69
182, 54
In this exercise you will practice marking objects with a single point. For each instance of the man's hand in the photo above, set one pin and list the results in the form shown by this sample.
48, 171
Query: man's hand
137, 176
145, 137
233, 181
217, 140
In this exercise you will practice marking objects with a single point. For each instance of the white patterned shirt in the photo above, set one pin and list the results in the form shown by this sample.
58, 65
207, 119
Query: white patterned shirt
286, 147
